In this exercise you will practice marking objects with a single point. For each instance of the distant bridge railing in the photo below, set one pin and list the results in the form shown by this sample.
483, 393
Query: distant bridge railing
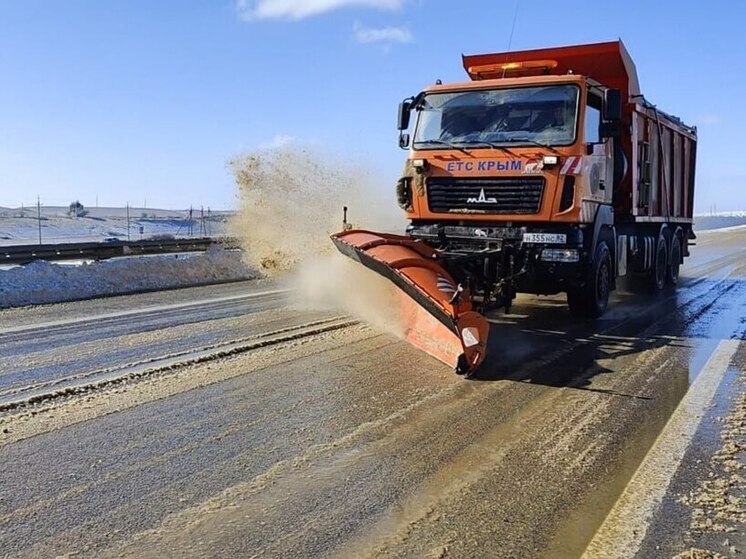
23, 254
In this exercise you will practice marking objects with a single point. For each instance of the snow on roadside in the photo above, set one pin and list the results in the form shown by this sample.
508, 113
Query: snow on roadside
42, 282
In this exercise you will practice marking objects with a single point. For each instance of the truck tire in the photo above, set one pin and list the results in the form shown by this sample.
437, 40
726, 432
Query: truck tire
660, 269
672, 272
591, 300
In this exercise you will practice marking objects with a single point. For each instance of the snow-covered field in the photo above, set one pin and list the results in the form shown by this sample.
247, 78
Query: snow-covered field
719, 220
21, 225
42, 282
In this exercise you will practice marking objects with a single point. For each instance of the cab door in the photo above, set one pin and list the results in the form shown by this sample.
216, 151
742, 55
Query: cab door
599, 166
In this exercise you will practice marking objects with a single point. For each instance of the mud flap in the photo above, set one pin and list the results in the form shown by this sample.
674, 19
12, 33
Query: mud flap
434, 320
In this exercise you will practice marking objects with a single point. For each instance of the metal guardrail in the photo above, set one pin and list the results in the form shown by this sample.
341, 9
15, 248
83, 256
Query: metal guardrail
23, 254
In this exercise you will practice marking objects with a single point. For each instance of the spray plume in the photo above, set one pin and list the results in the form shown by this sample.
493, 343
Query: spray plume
291, 200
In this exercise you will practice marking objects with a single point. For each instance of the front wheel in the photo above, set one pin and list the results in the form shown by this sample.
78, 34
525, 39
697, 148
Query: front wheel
591, 299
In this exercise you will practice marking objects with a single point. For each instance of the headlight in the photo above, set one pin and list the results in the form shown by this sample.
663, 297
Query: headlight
560, 255
550, 160
404, 194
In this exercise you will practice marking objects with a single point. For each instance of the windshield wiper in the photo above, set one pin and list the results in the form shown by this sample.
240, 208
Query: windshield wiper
533, 142
480, 142
442, 143
493, 145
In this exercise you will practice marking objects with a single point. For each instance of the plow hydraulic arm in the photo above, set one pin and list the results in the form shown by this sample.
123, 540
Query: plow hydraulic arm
436, 313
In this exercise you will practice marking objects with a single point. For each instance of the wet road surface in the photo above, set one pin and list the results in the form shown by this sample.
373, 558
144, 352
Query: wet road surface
346, 442
51, 353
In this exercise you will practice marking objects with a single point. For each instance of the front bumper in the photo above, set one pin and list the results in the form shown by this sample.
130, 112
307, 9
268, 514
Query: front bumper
551, 258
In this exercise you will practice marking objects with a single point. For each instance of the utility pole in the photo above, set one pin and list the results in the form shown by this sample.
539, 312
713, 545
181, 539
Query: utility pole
128, 221
38, 215
202, 232
190, 220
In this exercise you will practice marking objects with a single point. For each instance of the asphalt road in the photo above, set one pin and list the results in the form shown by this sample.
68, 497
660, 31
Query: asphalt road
220, 422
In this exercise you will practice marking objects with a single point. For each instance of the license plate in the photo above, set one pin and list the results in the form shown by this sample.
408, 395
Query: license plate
549, 238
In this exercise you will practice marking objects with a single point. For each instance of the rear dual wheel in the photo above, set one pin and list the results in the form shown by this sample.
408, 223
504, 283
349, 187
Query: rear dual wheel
667, 263
660, 271
672, 275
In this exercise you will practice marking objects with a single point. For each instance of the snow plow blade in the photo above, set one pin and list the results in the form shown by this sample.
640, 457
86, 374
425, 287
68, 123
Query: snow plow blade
437, 316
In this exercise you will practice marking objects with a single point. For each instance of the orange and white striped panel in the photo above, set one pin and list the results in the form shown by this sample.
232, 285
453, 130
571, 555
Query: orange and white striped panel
573, 165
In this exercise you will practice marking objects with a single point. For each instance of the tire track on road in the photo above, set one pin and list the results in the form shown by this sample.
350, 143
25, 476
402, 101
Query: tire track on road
95, 380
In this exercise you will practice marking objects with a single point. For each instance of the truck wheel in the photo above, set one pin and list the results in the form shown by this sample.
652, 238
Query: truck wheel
672, 275
591, 300
660, 269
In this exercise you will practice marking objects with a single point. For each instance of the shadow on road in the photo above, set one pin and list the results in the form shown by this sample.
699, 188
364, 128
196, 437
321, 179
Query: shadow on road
570, 352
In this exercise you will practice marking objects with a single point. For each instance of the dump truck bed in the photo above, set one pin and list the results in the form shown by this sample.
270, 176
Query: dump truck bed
661, 156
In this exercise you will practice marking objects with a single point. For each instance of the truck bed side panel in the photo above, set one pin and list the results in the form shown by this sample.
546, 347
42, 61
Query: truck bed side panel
661, 155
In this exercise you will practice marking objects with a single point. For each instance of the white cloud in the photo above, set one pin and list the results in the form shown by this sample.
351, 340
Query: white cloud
250, 10
382, 35
279, 141
708, 119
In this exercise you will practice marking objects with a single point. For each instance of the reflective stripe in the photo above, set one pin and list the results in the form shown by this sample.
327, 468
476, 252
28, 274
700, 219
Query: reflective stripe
444, 285
572, 165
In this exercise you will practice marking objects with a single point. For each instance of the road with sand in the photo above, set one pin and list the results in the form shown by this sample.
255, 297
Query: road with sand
225, 421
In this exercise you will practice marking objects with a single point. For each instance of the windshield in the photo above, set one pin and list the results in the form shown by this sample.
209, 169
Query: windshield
523, 115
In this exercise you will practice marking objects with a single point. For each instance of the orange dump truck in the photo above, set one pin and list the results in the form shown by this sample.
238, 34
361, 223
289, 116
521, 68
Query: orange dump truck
547, 172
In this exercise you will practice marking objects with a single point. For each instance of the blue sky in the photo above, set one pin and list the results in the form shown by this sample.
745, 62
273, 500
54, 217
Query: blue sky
140, 99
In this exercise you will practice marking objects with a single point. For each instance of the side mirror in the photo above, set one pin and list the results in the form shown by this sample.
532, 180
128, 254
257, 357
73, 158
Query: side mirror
611, 129
403, 140
405, 108
612, 105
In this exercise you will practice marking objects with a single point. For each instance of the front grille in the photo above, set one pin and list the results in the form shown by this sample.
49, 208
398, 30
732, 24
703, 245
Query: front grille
509, 195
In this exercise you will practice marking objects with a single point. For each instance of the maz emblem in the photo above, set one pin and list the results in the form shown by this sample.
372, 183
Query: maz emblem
481, 199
